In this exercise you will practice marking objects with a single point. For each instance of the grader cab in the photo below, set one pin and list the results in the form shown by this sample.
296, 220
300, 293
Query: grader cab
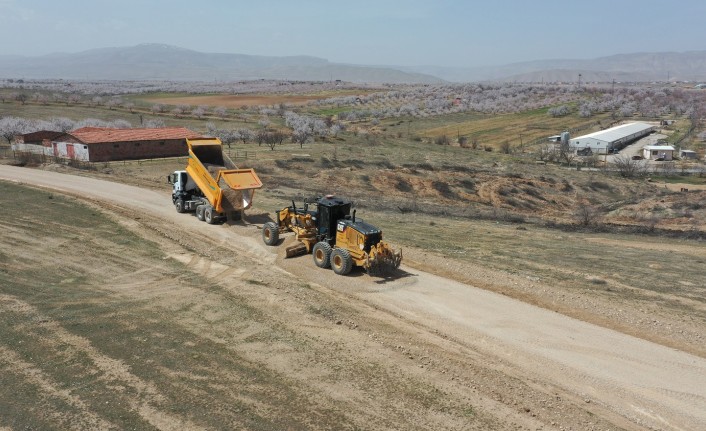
334, 237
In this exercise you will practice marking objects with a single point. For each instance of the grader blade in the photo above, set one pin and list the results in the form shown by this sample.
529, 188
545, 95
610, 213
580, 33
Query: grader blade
295, 250
384, 262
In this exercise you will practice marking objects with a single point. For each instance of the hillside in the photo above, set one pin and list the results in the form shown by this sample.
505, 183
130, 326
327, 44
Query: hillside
156, 61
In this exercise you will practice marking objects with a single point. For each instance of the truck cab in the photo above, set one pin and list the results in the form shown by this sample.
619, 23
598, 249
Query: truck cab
186, 196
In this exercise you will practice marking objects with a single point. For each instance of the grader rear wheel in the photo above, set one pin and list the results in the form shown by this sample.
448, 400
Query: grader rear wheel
341, 261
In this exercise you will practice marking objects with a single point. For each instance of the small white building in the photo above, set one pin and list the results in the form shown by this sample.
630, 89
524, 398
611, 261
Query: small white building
658, 152
688, 155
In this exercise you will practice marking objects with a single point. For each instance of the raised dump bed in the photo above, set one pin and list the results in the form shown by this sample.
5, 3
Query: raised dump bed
212, 185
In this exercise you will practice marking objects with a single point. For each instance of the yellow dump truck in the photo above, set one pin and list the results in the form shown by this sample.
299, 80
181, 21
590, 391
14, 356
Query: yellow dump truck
212, 185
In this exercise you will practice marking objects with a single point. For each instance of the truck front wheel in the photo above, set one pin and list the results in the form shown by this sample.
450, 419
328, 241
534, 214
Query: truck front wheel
179, 205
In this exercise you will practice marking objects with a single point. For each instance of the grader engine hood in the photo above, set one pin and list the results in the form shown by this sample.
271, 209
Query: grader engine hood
378, 256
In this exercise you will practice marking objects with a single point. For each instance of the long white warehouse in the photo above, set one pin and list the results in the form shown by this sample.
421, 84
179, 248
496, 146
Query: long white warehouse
612, 139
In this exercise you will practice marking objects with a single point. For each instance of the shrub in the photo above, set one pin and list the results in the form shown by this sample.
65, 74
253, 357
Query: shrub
386, 164
587, 215
599, 185
468, 184
403, 185
442, 140
443, 188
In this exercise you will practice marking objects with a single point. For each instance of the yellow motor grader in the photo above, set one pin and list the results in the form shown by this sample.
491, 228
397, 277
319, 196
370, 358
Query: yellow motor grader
333, 236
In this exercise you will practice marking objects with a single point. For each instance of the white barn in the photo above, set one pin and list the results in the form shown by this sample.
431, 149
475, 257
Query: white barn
658, 152
609, 140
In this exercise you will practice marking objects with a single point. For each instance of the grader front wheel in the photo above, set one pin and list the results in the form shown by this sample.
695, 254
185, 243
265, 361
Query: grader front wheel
270, 233
322, 254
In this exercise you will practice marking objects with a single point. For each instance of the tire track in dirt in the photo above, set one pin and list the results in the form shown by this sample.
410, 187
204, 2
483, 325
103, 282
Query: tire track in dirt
114, 371
643, 245
11, 362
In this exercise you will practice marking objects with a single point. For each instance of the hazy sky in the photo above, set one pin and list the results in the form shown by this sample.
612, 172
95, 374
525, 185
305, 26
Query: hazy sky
392, 32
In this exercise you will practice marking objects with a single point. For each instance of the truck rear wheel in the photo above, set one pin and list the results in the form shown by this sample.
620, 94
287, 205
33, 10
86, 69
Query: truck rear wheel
179, 205
199, 212
341, 261
270, 233
322, 254
208, 215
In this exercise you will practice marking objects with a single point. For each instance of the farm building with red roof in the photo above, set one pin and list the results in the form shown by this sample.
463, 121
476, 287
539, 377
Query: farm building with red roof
103, 144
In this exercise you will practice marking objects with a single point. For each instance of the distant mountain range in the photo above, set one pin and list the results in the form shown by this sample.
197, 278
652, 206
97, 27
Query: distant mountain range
638, 67
165, 62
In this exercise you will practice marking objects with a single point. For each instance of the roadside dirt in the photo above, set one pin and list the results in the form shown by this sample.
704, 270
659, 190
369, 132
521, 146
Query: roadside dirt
519, 366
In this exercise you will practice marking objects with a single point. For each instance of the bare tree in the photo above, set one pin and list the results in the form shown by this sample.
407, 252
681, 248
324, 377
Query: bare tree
271, 138
62, 124
629, 168
121, 124
559, 111
566, 154
199, 111
668, 169
13, 126
301, 135
154, 123
73, 99
245, 135
221, 111
180, 110
587, 215
442, 140
546, 153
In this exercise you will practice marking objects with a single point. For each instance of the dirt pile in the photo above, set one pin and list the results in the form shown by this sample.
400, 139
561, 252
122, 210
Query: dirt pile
232, 199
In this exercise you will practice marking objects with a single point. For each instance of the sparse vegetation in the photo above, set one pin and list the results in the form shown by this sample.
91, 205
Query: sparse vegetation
476, 199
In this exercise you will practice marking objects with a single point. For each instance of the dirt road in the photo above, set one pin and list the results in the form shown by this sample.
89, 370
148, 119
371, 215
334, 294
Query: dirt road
637, 383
